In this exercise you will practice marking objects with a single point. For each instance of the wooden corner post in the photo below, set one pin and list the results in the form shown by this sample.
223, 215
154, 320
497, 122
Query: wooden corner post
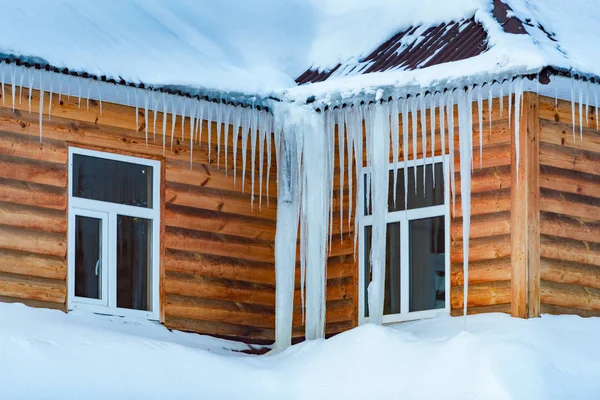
525, 213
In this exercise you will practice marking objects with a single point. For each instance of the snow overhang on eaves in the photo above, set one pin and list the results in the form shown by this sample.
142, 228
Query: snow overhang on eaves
212, 95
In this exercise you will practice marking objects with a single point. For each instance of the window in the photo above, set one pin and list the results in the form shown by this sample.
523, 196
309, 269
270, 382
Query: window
417, 281
114, 229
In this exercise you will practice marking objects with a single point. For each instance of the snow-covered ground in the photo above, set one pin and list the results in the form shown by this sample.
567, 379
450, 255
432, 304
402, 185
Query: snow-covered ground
46, 354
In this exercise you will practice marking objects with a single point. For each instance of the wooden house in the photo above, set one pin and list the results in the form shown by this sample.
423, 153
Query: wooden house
144, 211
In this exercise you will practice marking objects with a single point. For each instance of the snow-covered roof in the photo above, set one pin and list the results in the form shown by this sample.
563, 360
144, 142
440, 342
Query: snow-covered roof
258, 48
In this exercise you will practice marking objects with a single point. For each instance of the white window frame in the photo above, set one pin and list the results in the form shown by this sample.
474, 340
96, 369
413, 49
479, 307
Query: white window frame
108, 212
404, 217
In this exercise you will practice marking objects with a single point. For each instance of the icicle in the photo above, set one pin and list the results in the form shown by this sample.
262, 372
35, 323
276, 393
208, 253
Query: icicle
79, 90
587, 103
380, 183
537, 84
155, 102
413, 112
450, 113
501, 98
518, 94
253, 138
580, 87
21, 77
60, 83
164, 123
442, 123
226, 128
432, 117
245, 130
173, 119
466, 148
192, 128
13, 79
237, 118
146, 104
261, 157
270, 130
342, 161
405, 149
30, 87
510, 83
219, 117
2, 78
395, 143
423, 140
350, 159
356, 126
490, 104
200, 122
50, 98
480, 111
183, 106
368, 142
209, 117
89, 91
99, 96
41, 103
137, 112
573, 105
596, 104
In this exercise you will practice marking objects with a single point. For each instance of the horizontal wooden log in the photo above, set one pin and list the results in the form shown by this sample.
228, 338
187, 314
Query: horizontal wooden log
567, 158
497, 308
24, 287
35, 171
337, 311
561, 134
246, 334
25, 146
571, 296
570, 227
331, 329
569, 272
219, 267
32, 241
482, 271
484, 203
569, 181
337, 289
562, 114
481, 294
209, 199
33, 194
198, 312
42, 219
569, 250
32, 264
487, 179
219, 245
483, 225
207, 288
569, 204
35, 303
486, 248
558, 310
219, 222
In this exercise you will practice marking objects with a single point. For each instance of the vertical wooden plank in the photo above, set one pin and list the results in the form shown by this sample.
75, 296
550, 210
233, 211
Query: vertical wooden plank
525, 213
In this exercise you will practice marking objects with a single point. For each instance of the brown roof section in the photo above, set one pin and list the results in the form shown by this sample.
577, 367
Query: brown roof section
420, 47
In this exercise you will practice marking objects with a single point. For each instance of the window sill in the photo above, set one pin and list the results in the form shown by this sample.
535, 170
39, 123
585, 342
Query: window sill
112, 311
413, 316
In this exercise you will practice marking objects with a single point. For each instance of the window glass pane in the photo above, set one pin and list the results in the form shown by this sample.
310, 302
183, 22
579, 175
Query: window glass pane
88, 257
431, 196
391, 304
427, 274
134, 257
417, 195
112, 181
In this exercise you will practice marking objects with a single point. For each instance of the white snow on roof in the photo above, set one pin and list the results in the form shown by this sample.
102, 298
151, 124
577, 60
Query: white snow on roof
45, 354
259, 47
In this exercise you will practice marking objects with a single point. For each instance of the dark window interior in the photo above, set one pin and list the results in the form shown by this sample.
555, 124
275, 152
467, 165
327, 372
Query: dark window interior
88, 251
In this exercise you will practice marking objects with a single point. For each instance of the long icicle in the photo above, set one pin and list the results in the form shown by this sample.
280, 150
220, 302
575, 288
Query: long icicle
596, 104
137, 111
192, 128
164, 122
268, 133
41, 102
405, 149
21, 77
490, 104
395, 142
432, 118
30, 87
501, 98
510, 98
480, 112
253, 139
580, 87
261, 157
450, 112
245, 128
173, 119
414, 134
236, 133
341, 153
573, 106
442, 123
50, 96
146, 107
423, 140
350, 160
13, 79
209, 118
219, 118
226, 128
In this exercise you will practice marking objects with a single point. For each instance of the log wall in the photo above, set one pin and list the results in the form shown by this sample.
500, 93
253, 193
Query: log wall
569, 211
217, 264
